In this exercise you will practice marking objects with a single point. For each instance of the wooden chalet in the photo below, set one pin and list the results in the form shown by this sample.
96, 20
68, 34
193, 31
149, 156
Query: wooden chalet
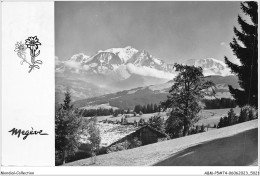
146, 134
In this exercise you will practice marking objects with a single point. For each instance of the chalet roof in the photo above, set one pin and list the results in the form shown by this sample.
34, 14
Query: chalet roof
153, 129
138, 129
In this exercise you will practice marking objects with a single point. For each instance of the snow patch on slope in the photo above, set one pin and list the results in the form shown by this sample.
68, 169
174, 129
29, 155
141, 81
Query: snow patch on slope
124, 53
211, 66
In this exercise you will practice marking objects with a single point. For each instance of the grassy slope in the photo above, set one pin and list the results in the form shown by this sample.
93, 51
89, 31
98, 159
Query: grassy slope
234, 145
212, 116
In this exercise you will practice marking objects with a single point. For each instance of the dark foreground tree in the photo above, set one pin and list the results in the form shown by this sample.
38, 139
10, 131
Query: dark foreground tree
245, 47
185, 97
69, 127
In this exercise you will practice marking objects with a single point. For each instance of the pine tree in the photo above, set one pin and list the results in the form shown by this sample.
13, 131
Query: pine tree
111, 111
225, 121
67, 101
122, 111
250, 115
159, 108
69, 127
152, 108
116, 112
155, 108
220, 124
137, 109
144, 110
242, 116
148, 109
247, 112
247, 52
232, 118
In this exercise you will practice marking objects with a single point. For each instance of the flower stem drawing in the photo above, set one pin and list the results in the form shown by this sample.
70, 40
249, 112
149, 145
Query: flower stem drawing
32, 44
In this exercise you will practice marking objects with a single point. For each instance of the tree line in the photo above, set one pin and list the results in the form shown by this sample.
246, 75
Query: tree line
139, 109
101, 112
219, 103
246, 113
146, 109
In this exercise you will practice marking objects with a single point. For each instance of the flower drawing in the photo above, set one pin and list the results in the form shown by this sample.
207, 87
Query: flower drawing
32, 44
20, 48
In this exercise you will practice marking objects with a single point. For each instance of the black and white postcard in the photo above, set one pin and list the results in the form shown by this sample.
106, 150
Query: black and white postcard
88, 84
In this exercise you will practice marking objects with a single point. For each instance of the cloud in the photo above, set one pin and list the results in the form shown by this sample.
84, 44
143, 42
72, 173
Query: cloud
57, 61
146, 71
86, 67
72, 64
224, 44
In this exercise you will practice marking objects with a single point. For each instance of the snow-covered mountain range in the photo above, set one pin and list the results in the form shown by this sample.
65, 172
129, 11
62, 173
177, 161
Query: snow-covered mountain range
118, 69
122, 61
211, 66
128, 60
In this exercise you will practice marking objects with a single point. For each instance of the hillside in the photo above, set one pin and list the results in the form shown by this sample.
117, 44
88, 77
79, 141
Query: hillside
235, 145
153, 94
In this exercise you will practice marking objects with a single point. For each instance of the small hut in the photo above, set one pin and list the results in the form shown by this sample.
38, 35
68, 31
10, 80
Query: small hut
146, 134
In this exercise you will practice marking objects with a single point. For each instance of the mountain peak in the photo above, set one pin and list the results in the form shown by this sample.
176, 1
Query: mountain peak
210, 66
128, 47
81, 57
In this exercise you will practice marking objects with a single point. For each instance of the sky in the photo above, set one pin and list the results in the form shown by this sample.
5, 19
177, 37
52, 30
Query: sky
172, 31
